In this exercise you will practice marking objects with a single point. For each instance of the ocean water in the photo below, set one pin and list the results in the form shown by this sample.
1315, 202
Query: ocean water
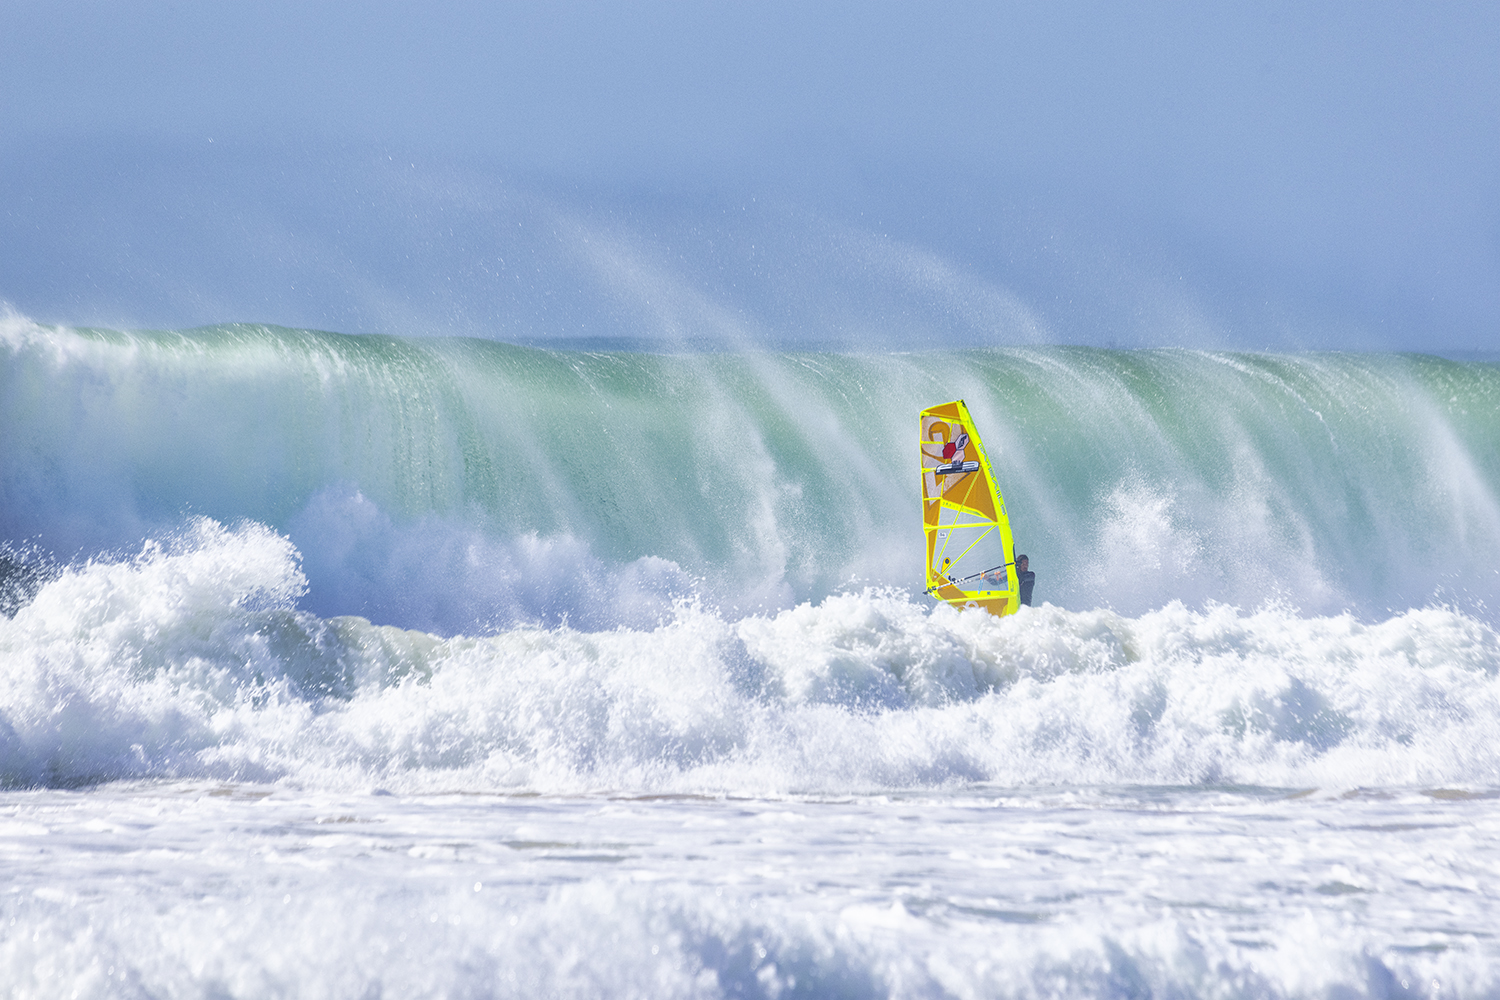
361, 666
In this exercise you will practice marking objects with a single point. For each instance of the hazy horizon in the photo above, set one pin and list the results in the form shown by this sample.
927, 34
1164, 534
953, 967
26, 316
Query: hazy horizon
848, 175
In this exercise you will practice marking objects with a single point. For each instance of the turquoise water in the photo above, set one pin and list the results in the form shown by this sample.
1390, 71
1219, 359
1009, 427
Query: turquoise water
1329, 481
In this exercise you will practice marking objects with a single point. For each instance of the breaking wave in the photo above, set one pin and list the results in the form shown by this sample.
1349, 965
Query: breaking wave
462, 486
191, 659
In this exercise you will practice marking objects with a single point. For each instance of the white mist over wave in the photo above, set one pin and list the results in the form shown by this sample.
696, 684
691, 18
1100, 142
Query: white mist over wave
191, 660
443, 576
463, 486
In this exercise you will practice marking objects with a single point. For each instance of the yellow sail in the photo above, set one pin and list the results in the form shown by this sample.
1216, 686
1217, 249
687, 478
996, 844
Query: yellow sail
970, 554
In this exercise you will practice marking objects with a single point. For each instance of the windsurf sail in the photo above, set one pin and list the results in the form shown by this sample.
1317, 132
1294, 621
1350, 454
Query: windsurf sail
970, 553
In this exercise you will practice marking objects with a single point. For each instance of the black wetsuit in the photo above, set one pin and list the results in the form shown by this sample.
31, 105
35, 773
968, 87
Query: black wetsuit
1028, 580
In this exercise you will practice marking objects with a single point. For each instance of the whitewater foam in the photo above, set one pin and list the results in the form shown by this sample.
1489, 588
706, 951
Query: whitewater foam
192, 660
248, 891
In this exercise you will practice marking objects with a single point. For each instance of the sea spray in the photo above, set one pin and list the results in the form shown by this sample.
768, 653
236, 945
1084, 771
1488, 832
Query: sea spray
458, 486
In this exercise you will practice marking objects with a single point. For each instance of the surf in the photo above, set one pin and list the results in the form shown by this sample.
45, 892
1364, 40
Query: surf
192, 660
459, 486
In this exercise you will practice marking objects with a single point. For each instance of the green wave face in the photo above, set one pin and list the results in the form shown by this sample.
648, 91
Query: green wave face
1132, 478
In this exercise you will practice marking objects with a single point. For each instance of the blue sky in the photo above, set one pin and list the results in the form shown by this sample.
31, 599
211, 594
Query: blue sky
1276, 174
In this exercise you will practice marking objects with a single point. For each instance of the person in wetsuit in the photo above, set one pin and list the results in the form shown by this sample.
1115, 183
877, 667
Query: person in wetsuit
1025, 577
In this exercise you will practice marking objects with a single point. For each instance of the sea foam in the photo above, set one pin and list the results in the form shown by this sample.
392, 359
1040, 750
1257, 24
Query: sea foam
191, 659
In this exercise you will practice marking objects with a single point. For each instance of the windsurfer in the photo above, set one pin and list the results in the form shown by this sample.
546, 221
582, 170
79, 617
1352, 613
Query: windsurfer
1026, 577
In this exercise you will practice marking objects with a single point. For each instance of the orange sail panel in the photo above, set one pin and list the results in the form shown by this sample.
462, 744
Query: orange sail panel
970, 553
